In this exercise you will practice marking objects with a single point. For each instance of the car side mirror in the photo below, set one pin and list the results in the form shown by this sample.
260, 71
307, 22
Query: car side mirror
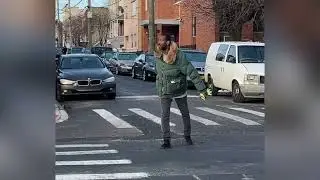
140, 60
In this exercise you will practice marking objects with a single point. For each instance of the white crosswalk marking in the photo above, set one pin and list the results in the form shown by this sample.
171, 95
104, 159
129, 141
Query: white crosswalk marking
93, 162
73, 153
84, 175
248, 111
229, 116
204, 121
114, 120
148, 116
102, 176
82, 146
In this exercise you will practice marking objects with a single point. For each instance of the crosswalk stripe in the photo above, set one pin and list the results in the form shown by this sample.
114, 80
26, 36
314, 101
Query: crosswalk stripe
82, 145
114, 120
204, 121
229, 116
139, 175
148, 116
93, 162
72, 153
248, 111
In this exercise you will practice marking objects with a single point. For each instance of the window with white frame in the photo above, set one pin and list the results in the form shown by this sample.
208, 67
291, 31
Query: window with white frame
134, 8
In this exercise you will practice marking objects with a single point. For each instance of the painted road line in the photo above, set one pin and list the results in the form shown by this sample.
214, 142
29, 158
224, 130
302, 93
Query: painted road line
82, 146
229, 116
74, 153
148, 116
114, 120
204, 121
139, 175
249, 111
93, 162
149, 97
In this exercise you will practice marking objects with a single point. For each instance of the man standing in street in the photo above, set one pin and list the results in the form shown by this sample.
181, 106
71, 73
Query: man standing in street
172, 69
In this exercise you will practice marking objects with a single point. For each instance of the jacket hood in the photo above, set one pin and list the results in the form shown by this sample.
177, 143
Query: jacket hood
169, 56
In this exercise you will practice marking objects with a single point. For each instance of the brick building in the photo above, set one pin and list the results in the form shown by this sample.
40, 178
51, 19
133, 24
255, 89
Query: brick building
172, 17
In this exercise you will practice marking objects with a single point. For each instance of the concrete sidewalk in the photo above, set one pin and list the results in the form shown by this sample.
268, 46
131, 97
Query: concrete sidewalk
60, 114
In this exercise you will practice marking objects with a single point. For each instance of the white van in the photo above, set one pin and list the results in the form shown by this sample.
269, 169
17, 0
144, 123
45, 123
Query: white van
237, 67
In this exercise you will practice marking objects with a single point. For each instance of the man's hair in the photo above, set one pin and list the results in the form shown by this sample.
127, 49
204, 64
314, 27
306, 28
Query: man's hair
167, 37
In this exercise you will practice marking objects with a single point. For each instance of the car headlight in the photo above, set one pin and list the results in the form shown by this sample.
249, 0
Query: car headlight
110, 79
66, 82
251, 77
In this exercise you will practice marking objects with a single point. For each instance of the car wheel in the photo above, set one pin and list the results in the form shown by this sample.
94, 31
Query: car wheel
237, 94
144, 76
133, 75
59, 96
214, 89
112, 96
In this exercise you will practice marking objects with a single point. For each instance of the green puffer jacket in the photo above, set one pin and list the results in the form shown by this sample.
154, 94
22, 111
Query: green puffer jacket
171, 79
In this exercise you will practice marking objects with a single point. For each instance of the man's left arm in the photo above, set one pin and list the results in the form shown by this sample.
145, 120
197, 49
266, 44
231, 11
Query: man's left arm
189, 70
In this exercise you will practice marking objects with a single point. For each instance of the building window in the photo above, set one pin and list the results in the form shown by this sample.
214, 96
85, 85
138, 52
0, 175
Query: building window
134, 8
194, 26
135, 40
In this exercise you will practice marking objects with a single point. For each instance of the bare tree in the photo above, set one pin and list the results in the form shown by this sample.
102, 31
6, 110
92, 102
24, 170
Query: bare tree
101, 23
231, 15
77, 29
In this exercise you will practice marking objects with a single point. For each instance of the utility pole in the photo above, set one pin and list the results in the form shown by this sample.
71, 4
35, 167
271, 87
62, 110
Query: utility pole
89, 16
70, 35
59, 25
151, 7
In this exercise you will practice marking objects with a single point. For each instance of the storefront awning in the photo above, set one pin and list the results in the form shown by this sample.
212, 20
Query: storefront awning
161, 21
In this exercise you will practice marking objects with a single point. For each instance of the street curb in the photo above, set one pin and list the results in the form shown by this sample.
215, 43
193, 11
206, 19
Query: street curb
60, 114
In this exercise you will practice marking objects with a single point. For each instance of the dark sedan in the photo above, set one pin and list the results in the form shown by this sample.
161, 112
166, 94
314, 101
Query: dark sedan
144, 67
198, 60
122, 62
84, 74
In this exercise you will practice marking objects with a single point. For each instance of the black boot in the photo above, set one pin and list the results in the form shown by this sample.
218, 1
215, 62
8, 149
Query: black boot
188, 140
166, 144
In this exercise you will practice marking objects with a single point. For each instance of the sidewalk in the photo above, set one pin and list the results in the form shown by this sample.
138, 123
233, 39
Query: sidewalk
60, 114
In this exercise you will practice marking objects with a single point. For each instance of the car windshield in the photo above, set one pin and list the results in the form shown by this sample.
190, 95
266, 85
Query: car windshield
108, 56
196, 56
81, 63
100, 50
76, 50
127, 57
251, 54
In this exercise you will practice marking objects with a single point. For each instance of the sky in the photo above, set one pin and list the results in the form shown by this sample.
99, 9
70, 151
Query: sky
83, 3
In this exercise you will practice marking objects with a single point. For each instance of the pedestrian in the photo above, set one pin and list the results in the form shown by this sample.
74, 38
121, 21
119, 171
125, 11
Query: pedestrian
172, 69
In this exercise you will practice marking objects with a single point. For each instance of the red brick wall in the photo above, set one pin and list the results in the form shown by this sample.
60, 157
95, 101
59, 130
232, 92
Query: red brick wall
247, 32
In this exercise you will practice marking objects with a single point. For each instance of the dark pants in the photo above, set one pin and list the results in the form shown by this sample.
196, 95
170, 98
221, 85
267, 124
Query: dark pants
182, 104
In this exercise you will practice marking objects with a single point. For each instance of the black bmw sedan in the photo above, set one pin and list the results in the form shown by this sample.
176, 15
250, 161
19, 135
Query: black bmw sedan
79, 74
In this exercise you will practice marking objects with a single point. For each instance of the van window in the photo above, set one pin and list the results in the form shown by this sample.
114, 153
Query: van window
222, 52
251, 54
231, 57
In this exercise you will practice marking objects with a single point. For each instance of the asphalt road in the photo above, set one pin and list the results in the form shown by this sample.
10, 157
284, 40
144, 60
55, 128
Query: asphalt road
120, 139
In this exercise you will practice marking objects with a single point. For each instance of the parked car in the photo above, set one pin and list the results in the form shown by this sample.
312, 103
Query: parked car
79, 74
100, 50
197, 59
122, 62
237, 67
144, 67
76, 50
106, 56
